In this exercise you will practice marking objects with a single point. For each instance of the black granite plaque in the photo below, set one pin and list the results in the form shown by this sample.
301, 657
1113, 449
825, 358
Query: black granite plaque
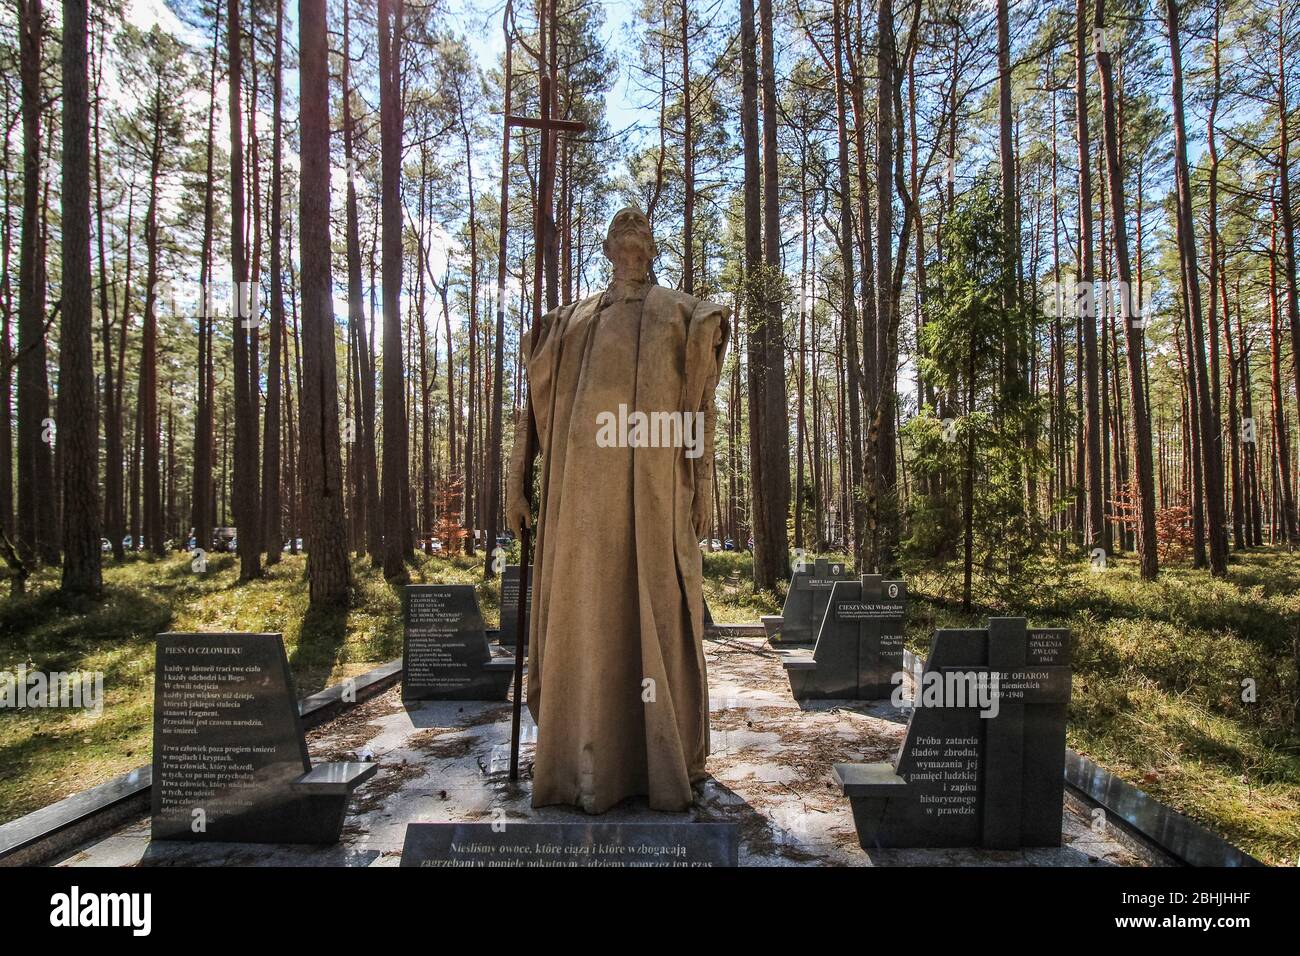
510, 604
983, 760
229, 756
571, 845
445, 653
859, 644
806, 601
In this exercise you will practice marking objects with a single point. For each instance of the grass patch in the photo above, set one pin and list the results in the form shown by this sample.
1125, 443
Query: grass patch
729, 589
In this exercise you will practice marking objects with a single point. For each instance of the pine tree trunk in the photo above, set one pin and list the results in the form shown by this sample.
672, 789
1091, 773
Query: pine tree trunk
35, 517
753, 296
1285, 109
1281, 434
1086, 299
1211, 455
472, 498
78, 438
321, 462
848, 307
775, 419
151, 487
272, 530
112, 415
245, 501
1014, 351
498, 357
201, 505
366, 497
1144, 479
6, 336
882, 514
396, 438
688, 158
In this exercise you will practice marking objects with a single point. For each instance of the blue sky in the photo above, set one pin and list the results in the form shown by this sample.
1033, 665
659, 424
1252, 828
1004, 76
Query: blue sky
623, 110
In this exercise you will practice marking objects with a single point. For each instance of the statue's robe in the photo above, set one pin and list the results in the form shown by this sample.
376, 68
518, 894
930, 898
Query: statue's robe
616, 679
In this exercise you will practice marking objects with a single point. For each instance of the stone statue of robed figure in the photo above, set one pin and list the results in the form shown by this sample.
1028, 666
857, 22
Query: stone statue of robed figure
621, 386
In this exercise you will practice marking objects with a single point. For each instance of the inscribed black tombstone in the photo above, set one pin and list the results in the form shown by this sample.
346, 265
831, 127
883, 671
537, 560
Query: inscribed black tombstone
445, 652
604, 844
805, 603
230, 761
962, 779
510, 605
859, 645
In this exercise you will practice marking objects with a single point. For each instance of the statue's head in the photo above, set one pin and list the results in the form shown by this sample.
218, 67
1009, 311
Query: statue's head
630, 242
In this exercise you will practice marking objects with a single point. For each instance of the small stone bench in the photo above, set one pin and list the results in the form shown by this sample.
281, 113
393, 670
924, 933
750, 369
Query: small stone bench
324, 791
334, 779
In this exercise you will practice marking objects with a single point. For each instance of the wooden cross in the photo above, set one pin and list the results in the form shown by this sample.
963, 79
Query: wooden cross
546, 123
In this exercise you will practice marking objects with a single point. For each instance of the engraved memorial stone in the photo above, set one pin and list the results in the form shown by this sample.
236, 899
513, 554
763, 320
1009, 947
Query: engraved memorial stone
510, 605
983, 761
805, 603
571, 845
859, 645
445, 652
230, 761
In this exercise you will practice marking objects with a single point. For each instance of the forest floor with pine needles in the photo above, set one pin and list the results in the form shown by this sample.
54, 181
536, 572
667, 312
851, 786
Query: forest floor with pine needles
1158, 687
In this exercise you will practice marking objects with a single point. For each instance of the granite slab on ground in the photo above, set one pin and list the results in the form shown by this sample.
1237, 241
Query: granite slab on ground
770, 770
